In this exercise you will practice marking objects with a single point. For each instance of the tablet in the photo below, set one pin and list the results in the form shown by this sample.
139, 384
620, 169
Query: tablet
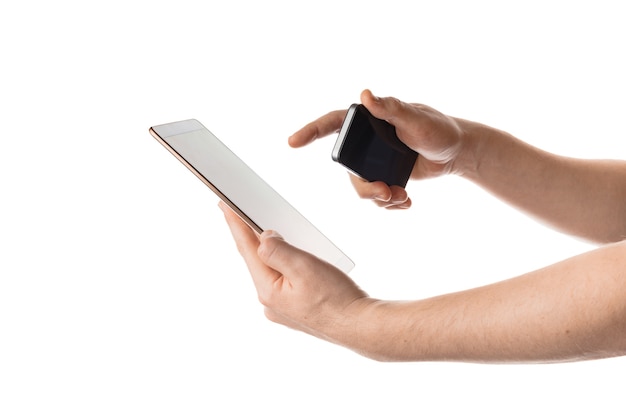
260, 206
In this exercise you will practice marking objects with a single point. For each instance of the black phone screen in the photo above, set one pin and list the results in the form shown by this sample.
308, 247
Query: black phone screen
370, 148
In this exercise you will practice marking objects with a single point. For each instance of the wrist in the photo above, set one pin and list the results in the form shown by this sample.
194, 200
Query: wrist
473, 138
360, 328
380, 330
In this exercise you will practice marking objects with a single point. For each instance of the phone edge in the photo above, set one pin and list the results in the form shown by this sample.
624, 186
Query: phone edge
343, 131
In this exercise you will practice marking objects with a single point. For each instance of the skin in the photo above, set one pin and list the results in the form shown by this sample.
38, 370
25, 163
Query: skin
569, 311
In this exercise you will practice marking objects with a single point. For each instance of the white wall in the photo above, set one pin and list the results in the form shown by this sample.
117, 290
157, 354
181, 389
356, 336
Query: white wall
121, 292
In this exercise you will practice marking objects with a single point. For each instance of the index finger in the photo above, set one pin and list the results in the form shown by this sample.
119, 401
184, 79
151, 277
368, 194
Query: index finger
326, 125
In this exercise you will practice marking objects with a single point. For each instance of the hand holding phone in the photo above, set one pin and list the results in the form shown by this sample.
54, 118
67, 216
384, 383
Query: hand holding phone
370, 148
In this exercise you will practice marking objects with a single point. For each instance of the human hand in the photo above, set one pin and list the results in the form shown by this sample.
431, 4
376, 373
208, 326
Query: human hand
298, 289
436, 137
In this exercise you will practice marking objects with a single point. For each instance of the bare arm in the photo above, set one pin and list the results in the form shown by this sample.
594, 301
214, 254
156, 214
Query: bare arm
573, 310
586, 198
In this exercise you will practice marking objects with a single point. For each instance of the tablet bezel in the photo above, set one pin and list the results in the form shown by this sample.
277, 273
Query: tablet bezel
202, 152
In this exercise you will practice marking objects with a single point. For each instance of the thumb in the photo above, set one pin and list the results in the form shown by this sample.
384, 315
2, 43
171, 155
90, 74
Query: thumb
281, 256
386, 108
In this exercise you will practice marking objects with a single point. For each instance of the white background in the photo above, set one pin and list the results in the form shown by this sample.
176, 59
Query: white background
121, 292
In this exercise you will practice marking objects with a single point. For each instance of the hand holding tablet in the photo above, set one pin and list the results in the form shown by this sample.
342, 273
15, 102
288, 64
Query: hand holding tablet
260, 206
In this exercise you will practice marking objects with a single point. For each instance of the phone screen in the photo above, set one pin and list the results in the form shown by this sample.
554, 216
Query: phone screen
243, 190
370, 148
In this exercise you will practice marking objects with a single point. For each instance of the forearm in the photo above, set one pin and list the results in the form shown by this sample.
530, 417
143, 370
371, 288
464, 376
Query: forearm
586, 198
573, 310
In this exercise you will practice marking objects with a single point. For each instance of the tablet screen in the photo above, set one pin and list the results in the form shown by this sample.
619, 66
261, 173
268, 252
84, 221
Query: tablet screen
243, 190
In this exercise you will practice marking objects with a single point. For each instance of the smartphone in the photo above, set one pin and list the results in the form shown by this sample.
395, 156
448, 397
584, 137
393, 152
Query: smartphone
370, 148
260, 206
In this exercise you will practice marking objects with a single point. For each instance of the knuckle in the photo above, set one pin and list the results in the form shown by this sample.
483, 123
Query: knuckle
263, 299
271, 315
267, 249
